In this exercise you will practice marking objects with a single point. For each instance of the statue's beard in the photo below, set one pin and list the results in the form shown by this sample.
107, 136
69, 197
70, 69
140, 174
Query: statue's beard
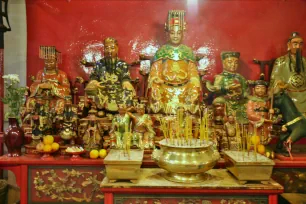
110, 62
299, 62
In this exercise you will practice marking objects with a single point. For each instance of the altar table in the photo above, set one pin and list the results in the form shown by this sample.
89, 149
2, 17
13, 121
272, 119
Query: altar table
219, 187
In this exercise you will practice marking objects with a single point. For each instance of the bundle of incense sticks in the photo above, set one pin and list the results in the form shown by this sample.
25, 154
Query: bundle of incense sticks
164, 128
204, 126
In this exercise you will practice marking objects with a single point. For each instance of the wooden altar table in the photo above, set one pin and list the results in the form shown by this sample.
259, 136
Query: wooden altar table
220, 186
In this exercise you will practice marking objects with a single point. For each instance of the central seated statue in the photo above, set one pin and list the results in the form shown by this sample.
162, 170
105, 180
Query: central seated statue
173, 80
110, 81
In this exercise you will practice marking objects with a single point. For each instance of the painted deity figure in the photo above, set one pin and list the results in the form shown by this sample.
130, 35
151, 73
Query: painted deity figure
260, 112
290, 69
68, 123
231, 88
143, 132
173, 79
110, 80
51, 83
91, 130
230, 142
121, 127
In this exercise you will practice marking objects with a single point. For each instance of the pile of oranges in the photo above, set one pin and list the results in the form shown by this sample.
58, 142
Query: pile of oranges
48, 144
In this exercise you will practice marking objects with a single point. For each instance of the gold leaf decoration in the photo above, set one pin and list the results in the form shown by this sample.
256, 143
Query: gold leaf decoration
63, 187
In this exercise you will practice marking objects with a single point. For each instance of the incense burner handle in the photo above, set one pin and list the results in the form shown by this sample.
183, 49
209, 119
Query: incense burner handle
216, 155
156, 155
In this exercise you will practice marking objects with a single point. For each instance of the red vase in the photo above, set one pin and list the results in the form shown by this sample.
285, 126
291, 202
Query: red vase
13, 138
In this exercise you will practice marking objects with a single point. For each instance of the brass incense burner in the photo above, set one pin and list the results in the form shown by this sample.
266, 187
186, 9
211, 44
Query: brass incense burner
186, 162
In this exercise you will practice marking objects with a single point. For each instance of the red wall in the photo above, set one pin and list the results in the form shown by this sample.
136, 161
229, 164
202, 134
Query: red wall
257, 28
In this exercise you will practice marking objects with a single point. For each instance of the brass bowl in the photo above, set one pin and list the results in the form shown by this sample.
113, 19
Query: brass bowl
186, 164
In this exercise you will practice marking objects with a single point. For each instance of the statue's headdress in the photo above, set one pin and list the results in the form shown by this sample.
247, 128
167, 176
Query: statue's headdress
294, 35
122, 106
140, 105
260, 81
110, 39
50, 52
176, 18
226, 54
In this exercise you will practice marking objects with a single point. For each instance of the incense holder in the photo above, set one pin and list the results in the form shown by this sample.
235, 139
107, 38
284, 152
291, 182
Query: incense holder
186, 163
121, 166
248, 166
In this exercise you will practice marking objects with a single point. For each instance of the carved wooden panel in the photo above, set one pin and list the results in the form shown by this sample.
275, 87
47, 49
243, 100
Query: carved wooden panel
186, 199
65, 184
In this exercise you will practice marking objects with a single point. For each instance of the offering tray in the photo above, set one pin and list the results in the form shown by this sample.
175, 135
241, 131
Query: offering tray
248, 166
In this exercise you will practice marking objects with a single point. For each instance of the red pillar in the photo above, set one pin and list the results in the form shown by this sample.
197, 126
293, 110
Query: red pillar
273, 199
24, 184
108, 198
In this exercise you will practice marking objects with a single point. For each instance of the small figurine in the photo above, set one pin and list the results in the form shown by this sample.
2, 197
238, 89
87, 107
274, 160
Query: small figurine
121, 124
260, 112
68, 122
110, 80
291, 69
230, 142
92, 130
231, 87
143, 133
174, 80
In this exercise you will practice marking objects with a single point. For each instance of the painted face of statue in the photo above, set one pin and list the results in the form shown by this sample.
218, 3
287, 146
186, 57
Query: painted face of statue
50, 64
110, 49
176, 35
260, 90
230, 64
231, 119
294, 44
140, 111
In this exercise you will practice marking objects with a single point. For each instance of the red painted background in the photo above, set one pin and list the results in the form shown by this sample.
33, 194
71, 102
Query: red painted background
257, 28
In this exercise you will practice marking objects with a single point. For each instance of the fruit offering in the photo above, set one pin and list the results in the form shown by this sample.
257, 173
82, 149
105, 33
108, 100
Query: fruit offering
48, 144
102, 153
74, 149
94, 154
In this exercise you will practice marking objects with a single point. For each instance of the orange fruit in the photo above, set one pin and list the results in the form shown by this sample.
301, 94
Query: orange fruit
47, 148
94, 154
40, 146
55, 146
261, 149
48, 140
102, 153
255, 139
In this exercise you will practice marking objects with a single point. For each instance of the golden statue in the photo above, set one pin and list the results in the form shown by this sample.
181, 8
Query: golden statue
110, 81
143, 132
91, 130
50, 83
290, 69
121, 128
173, 79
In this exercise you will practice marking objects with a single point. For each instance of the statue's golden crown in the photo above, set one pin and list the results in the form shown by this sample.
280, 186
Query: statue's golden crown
50, 52
176, 18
